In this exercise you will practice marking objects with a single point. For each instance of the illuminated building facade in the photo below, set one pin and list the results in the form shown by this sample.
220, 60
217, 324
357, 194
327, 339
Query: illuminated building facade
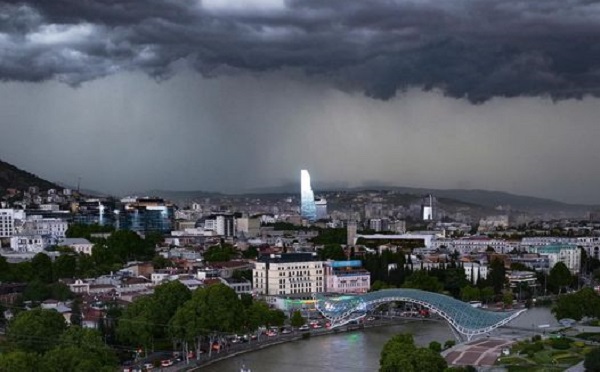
308, 209
146, 215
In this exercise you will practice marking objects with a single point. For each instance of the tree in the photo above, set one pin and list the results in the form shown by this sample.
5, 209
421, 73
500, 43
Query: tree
497, 275
90, 341
420, 279
19, 361
584, 303
592, 360
167, 298
379, 285
401, 354
36, 291
73, 359
135, 326
257, 315
332, 252
36, 330
507, 298
60, 291
276, 318
159, 262
559, 277
220, 253
65, 266
435, 346
487, 294
469, 293
4, 270
41, 265
449, 343
297, 320
76, 317
454, 279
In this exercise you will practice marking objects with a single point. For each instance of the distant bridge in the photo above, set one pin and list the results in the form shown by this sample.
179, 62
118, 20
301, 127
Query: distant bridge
462, 317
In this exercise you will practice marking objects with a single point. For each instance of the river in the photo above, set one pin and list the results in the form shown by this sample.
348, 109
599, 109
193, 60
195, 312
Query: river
357, 350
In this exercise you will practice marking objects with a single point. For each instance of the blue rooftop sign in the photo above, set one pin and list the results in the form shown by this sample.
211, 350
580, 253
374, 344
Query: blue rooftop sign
352, 263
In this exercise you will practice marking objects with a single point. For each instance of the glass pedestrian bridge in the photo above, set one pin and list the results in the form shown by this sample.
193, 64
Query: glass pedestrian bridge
462, 317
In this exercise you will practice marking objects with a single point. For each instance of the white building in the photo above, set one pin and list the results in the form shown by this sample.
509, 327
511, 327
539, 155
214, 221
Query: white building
346, 277
225, 225
288, 273
475, 271
7, 223
240, 286
79, 245
568, 254
591, 244
28, 243
477, 244
54, 228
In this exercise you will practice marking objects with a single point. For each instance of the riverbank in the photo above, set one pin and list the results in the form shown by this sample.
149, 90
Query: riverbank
283, 339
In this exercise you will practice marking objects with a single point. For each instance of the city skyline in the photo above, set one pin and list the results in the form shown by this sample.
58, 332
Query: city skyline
157, 98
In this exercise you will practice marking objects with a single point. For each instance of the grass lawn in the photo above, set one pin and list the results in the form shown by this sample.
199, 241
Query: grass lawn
541, 356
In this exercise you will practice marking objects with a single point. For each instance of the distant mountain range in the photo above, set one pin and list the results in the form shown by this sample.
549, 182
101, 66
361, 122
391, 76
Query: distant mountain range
12, 177
484, 198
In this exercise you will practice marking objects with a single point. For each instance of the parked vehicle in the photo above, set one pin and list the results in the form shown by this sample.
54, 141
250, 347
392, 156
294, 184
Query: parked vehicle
166, 363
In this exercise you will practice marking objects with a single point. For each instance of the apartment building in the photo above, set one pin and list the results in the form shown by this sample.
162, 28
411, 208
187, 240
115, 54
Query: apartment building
288, 274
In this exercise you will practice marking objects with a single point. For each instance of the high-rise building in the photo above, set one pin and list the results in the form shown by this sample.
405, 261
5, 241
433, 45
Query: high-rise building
308, 209
7, 223
427, 208
321, 209
351, 228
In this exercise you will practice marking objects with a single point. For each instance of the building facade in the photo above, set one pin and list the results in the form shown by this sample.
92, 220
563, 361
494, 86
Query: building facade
7, 223
346, 277
288, 274
308, 209
568, 254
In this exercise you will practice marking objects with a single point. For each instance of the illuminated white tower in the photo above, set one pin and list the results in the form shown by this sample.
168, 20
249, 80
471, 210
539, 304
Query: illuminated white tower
427, 208
308, 208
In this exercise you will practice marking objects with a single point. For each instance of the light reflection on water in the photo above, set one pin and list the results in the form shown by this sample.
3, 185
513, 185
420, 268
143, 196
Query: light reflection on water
355, 351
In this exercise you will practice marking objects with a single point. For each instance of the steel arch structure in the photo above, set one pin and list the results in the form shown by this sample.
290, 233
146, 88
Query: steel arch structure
461, 316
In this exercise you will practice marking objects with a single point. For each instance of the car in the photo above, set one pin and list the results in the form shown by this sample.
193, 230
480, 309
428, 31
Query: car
286, 331
166, 363
148, 366
371, 318
305, 327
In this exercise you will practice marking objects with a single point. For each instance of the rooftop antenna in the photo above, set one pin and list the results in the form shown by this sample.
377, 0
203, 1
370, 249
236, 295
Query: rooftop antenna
78, 184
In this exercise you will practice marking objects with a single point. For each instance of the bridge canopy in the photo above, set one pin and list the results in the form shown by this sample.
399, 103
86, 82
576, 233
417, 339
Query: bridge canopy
463, 317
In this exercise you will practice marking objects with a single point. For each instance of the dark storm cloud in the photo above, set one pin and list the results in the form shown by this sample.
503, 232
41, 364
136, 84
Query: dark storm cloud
475, 49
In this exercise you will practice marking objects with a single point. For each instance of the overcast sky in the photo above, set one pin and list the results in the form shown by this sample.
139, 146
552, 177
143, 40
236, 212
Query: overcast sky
134, 95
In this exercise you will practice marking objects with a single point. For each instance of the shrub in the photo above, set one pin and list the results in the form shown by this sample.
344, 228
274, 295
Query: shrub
536, 338
560, 343
448, 344
592, 360
435, 346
